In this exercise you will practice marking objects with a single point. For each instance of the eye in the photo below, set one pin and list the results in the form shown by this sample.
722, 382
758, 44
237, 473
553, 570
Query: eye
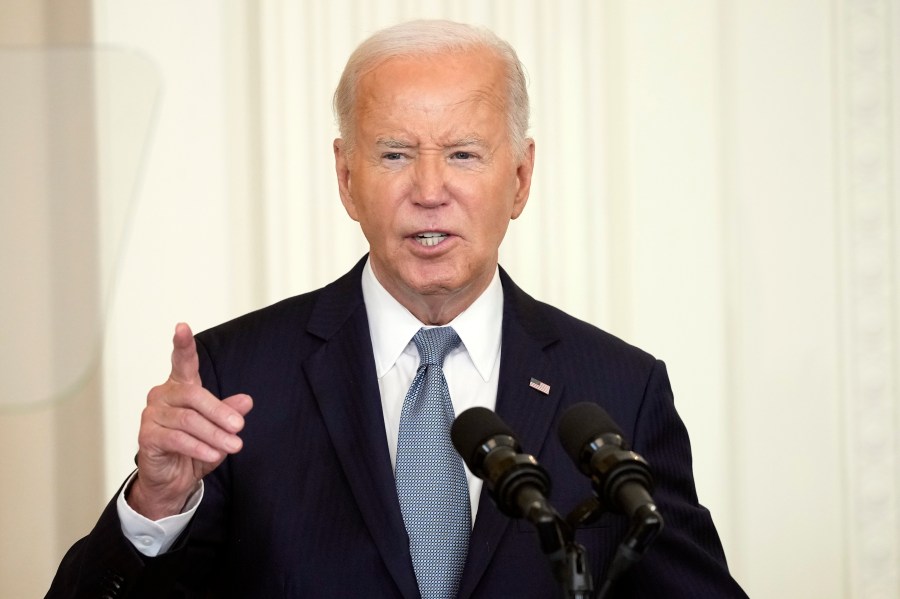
392, 156
462, 155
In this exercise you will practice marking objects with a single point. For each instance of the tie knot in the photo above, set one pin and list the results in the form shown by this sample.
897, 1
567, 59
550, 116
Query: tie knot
435, 344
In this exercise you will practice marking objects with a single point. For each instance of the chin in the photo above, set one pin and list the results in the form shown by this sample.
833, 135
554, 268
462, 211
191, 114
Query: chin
433, 286
445, 278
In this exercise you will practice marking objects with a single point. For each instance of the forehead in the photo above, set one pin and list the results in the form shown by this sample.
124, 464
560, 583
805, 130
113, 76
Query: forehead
433, 86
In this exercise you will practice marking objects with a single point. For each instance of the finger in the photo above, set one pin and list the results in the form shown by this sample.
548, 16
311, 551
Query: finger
164, 441
241, 403
161, 418
185, 363
163, 400
199, 429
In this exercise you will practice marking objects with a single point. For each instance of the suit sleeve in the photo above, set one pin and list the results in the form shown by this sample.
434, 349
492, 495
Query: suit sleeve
106, 564
686, 559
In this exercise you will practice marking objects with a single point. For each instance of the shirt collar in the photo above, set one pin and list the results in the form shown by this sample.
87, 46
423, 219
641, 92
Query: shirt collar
392, 326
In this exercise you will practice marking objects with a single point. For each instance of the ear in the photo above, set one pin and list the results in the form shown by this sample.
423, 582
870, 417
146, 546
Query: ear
342, 169
523, 178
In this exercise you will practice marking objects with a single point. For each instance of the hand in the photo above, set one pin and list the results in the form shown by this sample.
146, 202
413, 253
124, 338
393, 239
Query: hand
185, 433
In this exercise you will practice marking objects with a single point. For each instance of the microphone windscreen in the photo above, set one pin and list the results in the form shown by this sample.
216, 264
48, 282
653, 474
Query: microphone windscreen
471, 429
581, 424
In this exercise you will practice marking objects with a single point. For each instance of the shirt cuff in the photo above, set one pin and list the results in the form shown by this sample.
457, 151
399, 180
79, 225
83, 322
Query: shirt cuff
154, 537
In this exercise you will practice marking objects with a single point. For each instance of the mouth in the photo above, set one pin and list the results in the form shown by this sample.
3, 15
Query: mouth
430, 239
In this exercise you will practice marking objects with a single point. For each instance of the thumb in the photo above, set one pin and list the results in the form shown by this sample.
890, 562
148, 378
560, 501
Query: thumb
185, 363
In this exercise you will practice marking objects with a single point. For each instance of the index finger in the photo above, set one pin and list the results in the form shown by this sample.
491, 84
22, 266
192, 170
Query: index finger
185, 363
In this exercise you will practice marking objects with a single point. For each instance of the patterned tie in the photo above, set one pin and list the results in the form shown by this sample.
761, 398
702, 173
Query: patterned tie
431, 481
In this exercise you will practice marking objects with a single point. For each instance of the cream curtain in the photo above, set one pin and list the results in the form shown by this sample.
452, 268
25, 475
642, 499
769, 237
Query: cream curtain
716, 182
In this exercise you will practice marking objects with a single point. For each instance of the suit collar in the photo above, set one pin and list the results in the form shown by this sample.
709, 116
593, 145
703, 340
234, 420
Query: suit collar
338, 303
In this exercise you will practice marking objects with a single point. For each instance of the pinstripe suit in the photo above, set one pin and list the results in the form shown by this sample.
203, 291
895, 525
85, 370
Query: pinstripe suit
309, 509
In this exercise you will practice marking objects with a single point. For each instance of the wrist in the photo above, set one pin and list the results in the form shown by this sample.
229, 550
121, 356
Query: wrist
156, 504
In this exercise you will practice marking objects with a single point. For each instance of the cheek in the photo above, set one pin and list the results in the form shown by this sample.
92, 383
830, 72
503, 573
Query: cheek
378, 210
496, 205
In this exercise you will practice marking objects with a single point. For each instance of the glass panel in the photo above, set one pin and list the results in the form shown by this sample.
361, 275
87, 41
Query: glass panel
75, 124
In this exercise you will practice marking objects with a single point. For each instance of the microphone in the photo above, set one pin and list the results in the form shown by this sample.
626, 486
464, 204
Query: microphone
516, 482
621, 478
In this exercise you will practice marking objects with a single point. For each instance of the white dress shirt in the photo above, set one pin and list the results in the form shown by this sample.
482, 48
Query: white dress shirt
472, 372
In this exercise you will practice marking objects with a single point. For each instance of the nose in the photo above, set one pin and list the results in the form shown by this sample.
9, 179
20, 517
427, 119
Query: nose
430, 183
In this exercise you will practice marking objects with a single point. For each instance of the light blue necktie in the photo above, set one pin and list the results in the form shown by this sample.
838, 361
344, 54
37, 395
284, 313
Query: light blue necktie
431, 480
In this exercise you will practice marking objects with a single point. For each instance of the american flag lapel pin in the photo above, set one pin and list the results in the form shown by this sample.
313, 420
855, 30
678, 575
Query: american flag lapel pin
540, 386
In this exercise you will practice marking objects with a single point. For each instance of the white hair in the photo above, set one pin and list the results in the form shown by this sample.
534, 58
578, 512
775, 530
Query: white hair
427, 37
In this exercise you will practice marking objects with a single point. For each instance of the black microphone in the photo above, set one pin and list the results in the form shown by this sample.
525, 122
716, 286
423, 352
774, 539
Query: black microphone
516, 482
621, 478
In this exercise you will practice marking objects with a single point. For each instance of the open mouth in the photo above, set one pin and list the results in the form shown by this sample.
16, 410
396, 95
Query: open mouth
430, 239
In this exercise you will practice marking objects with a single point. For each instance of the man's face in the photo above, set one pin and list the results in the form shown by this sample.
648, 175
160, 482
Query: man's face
432, 178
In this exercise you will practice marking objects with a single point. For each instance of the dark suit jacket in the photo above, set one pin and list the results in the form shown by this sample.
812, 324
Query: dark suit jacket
309, 509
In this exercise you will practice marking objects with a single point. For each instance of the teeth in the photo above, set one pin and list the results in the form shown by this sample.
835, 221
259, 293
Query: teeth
430, 239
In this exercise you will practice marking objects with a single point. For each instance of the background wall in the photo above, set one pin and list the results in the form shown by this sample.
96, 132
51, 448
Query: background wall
717, 182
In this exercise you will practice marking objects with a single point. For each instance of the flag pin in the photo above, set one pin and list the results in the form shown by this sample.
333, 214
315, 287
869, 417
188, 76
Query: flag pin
540, 386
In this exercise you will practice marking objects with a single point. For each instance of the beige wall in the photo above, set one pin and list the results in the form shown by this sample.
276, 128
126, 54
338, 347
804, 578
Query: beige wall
717, 182
51, 402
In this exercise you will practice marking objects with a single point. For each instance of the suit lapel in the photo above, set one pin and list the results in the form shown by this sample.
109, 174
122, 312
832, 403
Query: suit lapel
527, 411
342, 376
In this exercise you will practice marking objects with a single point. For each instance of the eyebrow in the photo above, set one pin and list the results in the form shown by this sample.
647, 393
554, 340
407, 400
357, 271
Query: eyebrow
393, 143
471, 140
397, 144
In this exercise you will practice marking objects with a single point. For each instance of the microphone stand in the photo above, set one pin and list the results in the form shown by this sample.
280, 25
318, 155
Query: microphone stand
520, 492
646, 523
568, 559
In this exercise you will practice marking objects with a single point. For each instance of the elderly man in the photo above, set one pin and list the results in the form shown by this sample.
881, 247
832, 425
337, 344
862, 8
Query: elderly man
341, 481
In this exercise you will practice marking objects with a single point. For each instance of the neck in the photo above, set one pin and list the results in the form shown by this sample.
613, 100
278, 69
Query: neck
441, 306
436, 310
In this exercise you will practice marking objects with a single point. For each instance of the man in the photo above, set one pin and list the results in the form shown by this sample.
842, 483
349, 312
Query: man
318, 492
